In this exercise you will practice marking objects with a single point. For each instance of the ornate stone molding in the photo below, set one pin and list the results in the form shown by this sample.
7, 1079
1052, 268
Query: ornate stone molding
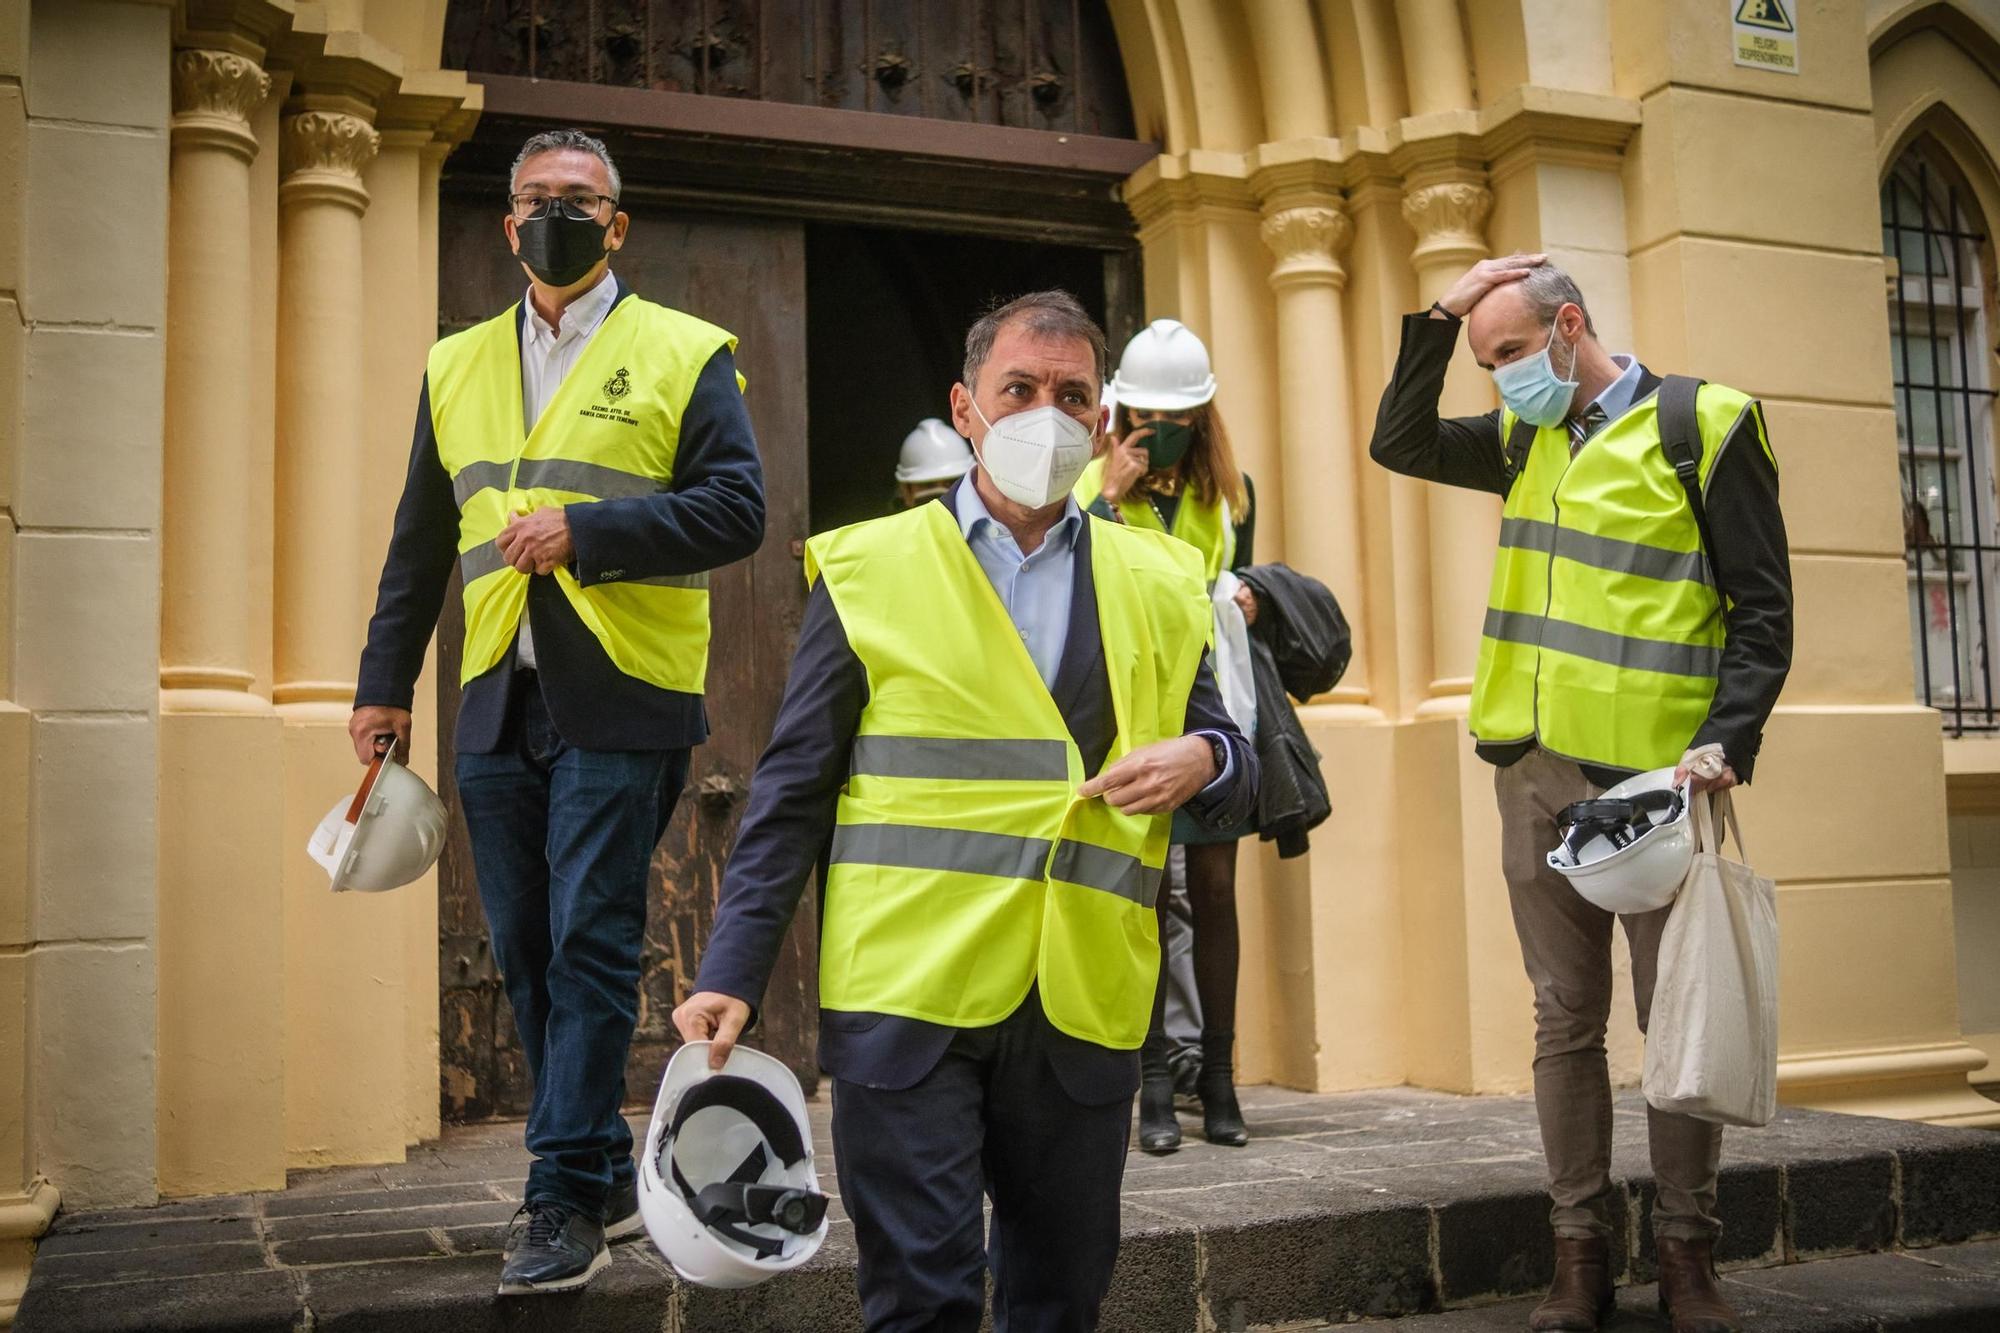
214, 94
1307, 241
1449, 221
324, 153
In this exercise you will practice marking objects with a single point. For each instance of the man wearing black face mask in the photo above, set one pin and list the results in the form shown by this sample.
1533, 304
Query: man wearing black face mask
586, 459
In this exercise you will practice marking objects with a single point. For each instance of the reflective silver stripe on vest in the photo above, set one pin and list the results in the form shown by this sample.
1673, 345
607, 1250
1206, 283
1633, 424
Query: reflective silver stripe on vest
555, 474
484, 558
481, 560
670, 581
1675, 659
1620, 557
1001, 855
950, 758
1101, 868
479, 476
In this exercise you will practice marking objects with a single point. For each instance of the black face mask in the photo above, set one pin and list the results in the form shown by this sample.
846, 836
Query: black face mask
559, 249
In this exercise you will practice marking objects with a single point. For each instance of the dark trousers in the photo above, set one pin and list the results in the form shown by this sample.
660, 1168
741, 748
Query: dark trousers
991, 1118
562, 841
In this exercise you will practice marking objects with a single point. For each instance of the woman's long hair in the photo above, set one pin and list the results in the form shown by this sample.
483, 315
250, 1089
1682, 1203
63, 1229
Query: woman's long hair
1208, 469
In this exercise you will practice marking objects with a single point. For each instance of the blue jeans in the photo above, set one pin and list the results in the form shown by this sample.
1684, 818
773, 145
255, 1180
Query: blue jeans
562, 842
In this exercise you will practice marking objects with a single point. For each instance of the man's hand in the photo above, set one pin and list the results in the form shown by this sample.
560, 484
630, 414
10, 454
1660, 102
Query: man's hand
1246, 602
1707, 769
1483, 277
537, 543
374, 720
1124, 463
1156, 778
712, 1017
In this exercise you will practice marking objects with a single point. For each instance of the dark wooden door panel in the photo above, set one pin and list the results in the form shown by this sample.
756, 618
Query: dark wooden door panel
748, 276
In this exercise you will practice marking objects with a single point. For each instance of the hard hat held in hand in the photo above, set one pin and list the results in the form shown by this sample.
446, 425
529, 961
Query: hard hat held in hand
1165, 369
1628, 850
933, 452
727, 1186
387, 834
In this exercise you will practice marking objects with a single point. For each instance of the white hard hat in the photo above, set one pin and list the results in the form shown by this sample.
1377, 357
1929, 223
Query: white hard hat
1165, 369
387, 834
727, 1186
1628, 850
933, 452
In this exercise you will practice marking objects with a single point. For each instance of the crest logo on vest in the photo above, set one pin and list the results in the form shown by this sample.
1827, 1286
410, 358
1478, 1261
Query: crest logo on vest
615, 388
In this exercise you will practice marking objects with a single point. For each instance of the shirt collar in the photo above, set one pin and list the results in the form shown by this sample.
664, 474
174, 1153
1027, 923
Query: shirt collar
1618, 395
972, 512
583, 314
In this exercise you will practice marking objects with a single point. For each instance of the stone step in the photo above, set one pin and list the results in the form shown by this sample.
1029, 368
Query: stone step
1355, 1206
1948, 1289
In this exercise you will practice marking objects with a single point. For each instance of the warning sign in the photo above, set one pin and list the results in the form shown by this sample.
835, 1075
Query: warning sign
1765, 35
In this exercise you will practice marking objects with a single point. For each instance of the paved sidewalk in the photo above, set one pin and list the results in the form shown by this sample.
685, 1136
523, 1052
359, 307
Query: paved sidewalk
1342, 1207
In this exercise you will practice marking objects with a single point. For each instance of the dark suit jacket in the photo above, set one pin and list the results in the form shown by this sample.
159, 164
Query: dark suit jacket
1751, 555
790, 820
711, 516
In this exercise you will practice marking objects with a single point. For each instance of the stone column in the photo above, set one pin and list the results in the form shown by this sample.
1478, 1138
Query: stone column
321, 419
1306, 232
1447, 215
205, 630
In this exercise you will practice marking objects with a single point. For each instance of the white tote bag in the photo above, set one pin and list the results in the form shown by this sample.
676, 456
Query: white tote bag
1712, 1048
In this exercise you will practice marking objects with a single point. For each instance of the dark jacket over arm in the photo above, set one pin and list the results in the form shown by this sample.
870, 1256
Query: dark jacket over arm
422, 549
1742, 503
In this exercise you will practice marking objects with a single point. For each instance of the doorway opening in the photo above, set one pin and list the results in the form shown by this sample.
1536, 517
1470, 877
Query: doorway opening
886, 315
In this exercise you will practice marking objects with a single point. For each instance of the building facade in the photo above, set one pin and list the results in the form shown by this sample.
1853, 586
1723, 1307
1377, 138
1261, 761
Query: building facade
232, 227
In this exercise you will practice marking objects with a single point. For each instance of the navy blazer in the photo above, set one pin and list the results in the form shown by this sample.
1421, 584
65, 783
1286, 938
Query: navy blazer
712, 515
788, 827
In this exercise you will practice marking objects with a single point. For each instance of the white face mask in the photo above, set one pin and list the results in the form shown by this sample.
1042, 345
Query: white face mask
1035, 457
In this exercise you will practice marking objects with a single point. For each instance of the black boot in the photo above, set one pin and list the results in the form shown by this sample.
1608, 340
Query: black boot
1221, 1117
1159, 1131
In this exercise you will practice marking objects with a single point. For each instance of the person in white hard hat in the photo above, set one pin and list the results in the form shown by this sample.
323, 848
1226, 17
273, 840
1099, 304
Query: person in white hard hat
1168, 467
933, 457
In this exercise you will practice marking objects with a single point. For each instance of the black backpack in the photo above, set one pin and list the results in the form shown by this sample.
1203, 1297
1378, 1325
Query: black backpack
1680, 440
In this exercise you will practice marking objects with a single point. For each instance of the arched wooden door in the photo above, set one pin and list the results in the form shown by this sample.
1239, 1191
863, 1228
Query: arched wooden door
735, 127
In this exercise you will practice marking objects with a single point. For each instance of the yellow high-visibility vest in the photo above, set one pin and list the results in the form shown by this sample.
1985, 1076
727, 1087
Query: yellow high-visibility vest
1207, 527
1604, 629
964, 869
611, 430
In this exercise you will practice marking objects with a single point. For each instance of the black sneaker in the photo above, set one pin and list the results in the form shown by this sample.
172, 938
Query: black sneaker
551, 1247
621, 1212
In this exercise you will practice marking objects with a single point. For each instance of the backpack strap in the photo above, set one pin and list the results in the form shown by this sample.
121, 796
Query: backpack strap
1680, 440
1520, 441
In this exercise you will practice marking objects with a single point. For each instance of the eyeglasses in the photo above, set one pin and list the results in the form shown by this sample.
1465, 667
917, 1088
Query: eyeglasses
579, 207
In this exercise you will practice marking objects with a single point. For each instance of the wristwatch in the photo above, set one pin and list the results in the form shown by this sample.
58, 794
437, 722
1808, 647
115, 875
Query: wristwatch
1439, 307
1220, 751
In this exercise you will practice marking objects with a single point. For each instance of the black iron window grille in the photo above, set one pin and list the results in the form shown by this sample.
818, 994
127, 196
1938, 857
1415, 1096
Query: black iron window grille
1939, 339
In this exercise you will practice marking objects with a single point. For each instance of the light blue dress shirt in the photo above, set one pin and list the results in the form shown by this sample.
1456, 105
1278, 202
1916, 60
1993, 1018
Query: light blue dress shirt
1616, 400
1037, 589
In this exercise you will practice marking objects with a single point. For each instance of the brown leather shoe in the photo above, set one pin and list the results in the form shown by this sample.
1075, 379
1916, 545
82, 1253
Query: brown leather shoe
1581, 1296
1689, 1292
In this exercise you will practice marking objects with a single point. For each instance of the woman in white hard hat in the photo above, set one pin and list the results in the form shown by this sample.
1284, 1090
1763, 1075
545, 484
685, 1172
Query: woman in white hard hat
1168, 466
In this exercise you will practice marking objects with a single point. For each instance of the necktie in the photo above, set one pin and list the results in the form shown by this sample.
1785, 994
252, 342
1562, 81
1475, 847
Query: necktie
1583, 425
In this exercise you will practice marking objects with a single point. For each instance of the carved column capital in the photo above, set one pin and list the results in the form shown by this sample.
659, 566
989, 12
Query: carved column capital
324, 153
1307, 240
1449, 220
214, 94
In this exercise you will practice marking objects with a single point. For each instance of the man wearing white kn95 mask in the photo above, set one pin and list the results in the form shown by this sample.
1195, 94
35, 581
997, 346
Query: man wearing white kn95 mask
996, 705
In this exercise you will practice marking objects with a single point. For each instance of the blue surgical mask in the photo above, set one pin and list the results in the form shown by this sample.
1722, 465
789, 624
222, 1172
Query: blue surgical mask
1533, 391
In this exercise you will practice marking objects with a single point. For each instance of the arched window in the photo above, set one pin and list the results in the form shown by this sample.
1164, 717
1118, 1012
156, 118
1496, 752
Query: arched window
1939, 334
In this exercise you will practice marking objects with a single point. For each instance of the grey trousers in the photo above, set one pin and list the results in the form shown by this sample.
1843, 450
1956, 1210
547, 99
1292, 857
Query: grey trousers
1183, 1021
1566, 945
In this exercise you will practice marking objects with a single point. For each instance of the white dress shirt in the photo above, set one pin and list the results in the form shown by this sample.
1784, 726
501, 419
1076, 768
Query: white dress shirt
547, 355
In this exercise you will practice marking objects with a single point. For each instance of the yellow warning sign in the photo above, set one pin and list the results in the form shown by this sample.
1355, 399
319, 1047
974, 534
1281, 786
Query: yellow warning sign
1764, 14
1764, 35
